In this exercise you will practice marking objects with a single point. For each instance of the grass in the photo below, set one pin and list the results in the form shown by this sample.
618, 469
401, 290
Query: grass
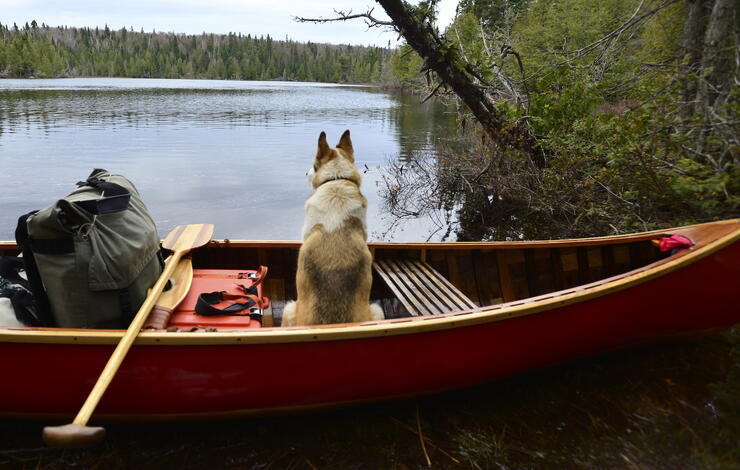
670, 406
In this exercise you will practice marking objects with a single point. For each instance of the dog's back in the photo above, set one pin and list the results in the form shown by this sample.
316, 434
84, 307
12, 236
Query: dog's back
333, 282
334, 273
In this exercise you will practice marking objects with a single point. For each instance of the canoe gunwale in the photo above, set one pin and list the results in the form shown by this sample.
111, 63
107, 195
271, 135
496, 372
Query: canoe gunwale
411, 325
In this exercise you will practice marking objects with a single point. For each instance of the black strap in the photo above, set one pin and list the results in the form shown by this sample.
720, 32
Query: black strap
26, 309
10, 268
116, 198
17, 290
338, 178
52, 246
40, 299
205, 303
124, 302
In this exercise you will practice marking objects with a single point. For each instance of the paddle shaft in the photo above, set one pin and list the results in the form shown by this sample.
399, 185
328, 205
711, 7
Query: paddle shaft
76, 434
83, 416
180, 240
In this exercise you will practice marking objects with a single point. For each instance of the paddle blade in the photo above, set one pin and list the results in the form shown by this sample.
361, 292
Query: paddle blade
181, 281
188, 237
72, 436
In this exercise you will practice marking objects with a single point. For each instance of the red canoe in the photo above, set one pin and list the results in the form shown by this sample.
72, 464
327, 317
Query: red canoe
459, 314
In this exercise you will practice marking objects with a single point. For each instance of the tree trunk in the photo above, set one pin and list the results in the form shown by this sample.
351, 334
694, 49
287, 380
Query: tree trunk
441, 57
715, 78
694, 30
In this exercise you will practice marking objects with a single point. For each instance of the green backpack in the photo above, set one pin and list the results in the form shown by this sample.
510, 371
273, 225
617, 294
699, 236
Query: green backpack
91, 256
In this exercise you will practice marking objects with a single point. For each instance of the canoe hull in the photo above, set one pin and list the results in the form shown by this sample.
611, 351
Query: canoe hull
217, 381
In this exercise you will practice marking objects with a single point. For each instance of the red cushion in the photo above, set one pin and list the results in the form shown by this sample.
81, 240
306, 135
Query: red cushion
211, 280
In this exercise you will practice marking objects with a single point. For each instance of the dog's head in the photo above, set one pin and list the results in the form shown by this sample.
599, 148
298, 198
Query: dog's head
334, 163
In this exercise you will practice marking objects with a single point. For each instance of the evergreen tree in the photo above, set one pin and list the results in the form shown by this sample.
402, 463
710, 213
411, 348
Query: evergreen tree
68, 51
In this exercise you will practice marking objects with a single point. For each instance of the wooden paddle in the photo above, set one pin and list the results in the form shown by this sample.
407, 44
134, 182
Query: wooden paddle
180, 241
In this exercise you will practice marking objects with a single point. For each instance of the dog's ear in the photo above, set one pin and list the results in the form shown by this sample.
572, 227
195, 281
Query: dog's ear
324, 149
345, 143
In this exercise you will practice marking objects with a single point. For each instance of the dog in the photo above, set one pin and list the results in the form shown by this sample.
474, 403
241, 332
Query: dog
334, 272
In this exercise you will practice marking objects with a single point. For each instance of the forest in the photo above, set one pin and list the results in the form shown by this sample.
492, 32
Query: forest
47, 52
576, 118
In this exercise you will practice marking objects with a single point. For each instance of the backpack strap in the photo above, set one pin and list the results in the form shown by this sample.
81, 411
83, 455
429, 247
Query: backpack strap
204, 305
25, 309
40, 299
16, 289
10, 268
115, 197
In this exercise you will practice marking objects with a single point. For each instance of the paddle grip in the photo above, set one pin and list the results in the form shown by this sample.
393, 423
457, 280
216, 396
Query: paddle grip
159, 318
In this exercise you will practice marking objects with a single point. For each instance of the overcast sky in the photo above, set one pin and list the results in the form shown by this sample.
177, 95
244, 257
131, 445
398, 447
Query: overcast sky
256, 17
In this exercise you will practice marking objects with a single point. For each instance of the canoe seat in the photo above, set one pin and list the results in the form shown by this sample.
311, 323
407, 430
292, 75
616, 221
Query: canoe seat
421, 288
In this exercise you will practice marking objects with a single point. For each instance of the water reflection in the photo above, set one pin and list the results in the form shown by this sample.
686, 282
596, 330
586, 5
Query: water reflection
420, 125
230, 153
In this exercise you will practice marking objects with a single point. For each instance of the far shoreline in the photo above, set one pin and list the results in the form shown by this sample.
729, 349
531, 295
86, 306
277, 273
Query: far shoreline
369, 85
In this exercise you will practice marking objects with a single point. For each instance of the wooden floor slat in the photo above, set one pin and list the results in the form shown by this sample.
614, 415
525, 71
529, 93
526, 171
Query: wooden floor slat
413, 292
449, 288
445, 303
398, 289
431, 301
420, 288
274, 289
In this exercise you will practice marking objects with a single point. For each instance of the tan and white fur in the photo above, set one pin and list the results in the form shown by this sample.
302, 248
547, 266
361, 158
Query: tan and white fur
334, 273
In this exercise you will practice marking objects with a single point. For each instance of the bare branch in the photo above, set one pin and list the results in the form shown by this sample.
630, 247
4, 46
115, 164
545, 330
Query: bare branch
370, 20
432, 93
635, 20
506, 50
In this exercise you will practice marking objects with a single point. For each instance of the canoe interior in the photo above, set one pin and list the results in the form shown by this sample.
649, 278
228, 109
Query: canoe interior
486, 276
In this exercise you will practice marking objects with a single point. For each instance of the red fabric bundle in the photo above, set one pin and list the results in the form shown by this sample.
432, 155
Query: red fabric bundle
674, 242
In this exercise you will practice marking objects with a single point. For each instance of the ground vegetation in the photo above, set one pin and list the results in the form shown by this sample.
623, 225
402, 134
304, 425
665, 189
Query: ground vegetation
611, 117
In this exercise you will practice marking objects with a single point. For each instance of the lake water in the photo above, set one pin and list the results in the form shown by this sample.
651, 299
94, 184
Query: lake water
229, 153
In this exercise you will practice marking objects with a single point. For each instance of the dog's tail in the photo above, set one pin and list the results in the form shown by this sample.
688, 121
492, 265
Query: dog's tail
288, 319
376, 312
289, 314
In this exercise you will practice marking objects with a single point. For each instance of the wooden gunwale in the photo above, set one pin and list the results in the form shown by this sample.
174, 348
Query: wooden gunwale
709, 238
